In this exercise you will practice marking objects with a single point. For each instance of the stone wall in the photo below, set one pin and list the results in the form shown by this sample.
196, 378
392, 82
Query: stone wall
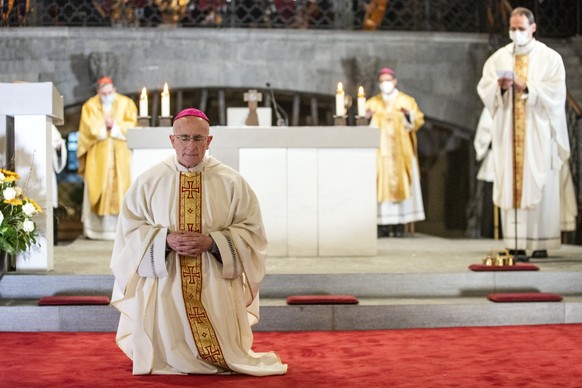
440, 69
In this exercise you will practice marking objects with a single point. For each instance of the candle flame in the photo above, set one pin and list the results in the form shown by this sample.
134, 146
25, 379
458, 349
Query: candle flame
340, 87
144, 94
165, 91
361, 92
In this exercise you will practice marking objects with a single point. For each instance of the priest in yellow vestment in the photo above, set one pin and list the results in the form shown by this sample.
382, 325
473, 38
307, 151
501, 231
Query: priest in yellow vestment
398, 179
104, 158
189, 260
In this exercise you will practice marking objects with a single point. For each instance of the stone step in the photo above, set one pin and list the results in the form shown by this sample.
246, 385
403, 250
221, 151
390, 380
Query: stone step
276, 315
387, 301
368, 285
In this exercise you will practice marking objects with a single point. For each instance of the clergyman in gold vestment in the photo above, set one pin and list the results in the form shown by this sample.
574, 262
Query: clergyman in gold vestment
398, 178
104, 158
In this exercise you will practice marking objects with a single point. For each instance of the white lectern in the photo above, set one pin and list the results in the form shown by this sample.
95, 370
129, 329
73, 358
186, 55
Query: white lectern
27, 111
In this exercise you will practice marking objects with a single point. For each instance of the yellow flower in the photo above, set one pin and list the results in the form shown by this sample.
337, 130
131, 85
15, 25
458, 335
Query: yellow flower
13, 201
18, 231
36, 205
9, 173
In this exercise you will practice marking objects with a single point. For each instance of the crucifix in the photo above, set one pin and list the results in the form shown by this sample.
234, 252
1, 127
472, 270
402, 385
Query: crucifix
253, 97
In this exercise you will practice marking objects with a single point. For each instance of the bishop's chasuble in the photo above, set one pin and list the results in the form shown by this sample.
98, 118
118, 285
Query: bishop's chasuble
397, 174
529, 143
104, 163
184, 315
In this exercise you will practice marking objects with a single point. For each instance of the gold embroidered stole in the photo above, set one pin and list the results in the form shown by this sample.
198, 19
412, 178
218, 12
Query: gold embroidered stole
109, 202
521, 62
190, 219
394, 166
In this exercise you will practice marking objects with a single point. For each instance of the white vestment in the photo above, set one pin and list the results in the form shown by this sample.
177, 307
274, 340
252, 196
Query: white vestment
59, 161
154, 330
568, 205
96, 227
482, 145
546, 145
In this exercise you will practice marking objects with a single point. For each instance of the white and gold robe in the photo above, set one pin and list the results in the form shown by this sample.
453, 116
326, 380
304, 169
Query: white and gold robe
155, 330
104, 163
546, 145
399, 194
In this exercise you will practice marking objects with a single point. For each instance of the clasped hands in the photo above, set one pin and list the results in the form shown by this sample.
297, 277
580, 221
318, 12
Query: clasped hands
187, 243
507, 83
109, 123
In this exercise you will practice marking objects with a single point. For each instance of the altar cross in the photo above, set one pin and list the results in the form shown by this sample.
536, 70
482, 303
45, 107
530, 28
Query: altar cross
253, 98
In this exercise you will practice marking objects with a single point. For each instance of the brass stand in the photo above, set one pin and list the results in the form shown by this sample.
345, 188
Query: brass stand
361, 121
499, 259
143, 121
165, 121
340, 120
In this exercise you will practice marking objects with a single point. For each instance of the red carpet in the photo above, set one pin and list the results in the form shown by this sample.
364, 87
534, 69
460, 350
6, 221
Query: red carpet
518, 356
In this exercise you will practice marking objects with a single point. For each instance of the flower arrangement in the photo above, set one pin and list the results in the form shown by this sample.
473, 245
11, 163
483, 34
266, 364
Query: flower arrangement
18, 231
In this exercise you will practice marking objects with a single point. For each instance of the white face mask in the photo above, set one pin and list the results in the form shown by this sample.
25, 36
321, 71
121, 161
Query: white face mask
386, 87
108, 99
520, 38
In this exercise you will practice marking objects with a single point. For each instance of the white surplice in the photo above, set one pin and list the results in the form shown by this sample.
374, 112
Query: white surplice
546, 145
482, 145
153, 329
568, 205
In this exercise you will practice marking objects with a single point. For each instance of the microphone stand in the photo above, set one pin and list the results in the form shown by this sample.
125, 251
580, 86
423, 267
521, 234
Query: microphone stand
281, 121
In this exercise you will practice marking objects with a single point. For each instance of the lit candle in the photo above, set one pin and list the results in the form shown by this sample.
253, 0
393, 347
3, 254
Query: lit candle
165, 101
143, 103
361, 102
340, 109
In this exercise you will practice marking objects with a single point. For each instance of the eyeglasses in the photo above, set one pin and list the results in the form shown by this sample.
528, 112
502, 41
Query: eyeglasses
186, 138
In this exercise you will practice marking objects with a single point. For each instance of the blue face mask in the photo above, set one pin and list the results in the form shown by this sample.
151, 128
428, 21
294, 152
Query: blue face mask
108, 99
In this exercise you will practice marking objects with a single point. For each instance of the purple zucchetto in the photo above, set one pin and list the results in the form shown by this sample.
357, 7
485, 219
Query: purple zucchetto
191, 112
386, 70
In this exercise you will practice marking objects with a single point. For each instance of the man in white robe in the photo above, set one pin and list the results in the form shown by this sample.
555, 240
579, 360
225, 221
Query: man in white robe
532, 75
189, 259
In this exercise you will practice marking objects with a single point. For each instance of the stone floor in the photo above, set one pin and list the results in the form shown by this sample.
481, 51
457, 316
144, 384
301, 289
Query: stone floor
412, 254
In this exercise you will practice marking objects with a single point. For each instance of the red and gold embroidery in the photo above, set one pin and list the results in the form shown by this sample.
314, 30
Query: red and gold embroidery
190, 218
